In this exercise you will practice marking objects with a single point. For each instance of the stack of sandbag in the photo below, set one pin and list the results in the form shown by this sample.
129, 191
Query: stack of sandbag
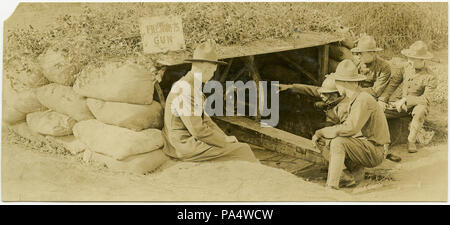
57, 68
53, 108
126, 131
18, 103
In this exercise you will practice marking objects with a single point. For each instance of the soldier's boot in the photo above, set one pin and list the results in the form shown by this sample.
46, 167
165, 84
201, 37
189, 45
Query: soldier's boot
347, 179
419, 113
358, 174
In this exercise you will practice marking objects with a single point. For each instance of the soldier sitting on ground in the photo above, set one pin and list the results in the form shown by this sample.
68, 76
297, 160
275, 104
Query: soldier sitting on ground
191, 136
410, 88
364, 116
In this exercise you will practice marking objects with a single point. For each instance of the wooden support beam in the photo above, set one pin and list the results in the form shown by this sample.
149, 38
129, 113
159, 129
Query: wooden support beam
158, 89
298, 67
224, 74
323, 62
238, 74
273, 139
250, 62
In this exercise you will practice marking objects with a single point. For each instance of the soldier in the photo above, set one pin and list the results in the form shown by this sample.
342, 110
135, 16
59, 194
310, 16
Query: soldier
364, 116
331, 100
376, 69
191, 136
409, 90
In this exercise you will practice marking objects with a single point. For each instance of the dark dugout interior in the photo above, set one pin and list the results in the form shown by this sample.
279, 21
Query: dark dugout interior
297, 114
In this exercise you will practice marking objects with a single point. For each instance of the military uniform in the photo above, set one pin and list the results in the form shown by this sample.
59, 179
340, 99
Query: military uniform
365, 116
416, 87
377, 72
367, 151
336, 115
378, 75
196, 137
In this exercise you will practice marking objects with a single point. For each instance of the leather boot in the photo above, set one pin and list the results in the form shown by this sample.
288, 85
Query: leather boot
347, 179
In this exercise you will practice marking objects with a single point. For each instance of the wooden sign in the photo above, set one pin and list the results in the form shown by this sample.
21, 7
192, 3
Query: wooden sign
162, 34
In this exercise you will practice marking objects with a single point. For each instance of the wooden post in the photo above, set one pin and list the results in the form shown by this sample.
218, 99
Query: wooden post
223, 76
250, 61
323, 62
158, 89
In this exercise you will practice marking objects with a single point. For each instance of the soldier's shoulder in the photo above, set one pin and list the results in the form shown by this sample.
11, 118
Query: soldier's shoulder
382, 62
428, 71
397, 62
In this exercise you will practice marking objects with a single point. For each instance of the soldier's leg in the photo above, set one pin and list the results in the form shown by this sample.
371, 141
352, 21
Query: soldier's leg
359, 153
336, 163
419, 114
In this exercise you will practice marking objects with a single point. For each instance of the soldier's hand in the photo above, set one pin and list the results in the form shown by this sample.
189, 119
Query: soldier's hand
315, 141
382, 104
231, 139
283, 87
400, 105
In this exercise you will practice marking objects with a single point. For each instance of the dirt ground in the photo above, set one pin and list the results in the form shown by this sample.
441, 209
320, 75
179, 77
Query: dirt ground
29, 175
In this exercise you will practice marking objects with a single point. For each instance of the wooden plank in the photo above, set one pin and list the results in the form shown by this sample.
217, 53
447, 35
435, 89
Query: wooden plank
224, 75
298, 67
270, 138
306, 40
323, 62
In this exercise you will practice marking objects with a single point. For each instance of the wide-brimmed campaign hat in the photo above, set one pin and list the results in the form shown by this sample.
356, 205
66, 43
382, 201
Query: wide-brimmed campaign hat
328, 86
206, 52
366, 44
418, 50
346, 71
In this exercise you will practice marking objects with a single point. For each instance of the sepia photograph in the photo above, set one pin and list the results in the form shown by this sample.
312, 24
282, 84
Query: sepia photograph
225, 102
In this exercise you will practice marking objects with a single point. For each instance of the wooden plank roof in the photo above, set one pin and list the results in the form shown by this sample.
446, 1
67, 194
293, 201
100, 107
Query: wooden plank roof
304, 40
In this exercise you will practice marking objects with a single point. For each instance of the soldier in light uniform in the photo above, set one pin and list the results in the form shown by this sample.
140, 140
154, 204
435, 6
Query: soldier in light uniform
376, 69
192, 137
410, 88
365, 116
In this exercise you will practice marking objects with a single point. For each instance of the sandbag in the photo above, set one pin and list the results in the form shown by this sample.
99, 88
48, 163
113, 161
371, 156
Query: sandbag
70, 142
139, 164
10, 115
50, 123
340, 53
332, 65
116, 82
26, 101
57, 68
64, 100
131, 116
116, 142
24, 73
348, 42
23, 130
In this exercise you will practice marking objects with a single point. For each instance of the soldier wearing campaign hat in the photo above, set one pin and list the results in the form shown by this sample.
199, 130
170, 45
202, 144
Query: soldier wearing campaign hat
409, 90
365, 117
